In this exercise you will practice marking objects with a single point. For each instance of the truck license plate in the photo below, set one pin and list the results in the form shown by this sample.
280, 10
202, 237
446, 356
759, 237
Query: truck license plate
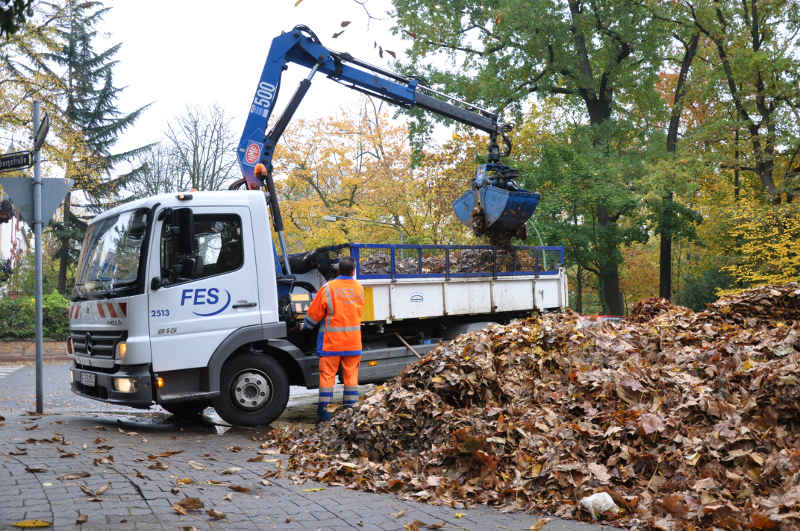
87, 379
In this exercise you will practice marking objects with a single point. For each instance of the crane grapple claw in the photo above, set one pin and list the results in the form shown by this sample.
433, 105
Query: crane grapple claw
497, 211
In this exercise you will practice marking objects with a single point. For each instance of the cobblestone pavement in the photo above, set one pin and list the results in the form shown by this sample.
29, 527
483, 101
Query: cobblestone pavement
132, 480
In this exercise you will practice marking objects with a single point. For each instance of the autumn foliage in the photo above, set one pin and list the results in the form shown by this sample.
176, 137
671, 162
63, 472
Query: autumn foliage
360, 166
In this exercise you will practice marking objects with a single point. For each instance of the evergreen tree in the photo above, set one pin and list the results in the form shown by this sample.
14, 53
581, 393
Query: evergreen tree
13, 14
92, 121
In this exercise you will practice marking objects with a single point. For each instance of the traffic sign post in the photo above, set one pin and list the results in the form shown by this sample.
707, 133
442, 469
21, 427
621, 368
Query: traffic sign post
37, 200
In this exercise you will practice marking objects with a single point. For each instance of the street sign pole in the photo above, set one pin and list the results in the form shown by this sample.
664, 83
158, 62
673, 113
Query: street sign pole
36, 200
37, 231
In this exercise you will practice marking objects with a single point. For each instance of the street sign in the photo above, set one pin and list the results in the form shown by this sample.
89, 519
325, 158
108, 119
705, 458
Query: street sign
15, 161
41, 133
20, 191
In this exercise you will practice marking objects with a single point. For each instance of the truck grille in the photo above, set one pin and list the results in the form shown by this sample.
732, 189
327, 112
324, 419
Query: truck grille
97, 343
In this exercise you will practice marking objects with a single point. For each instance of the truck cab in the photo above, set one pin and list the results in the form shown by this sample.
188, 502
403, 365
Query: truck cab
179, 300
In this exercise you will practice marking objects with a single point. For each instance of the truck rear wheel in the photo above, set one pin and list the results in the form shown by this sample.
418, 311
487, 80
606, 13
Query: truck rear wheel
254, 390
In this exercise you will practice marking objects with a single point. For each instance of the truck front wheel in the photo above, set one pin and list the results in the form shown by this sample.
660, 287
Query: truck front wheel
254, 390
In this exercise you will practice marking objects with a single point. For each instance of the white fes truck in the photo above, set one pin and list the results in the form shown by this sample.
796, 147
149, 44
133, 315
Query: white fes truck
180, 301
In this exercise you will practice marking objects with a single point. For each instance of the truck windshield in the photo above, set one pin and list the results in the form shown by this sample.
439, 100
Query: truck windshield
110, 255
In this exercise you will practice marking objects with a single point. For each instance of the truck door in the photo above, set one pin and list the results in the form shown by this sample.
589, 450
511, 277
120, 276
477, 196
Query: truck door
205, 295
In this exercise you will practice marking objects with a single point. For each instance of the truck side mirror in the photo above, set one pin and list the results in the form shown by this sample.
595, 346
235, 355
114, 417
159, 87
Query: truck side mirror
184, 219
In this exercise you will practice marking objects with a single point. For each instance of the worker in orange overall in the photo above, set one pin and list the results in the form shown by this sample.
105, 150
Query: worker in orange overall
337, 309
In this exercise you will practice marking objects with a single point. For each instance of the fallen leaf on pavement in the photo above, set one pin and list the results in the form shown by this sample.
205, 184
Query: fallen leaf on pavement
73, 475
216, 515
540, 524
314, 489
35, 469
81, 519
102, 490
158, 465
32, 523
239, 488
269, 451
399, 514
169, 453
231, 470
180, 510
184, 481
228, 497
235, 449
33, 427
196, 465
191, 504
256, 459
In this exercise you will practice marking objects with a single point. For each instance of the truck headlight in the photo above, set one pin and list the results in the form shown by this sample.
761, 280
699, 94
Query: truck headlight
125, 385
122, 349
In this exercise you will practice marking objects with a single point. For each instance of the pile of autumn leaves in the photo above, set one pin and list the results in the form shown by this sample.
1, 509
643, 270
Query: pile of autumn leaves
683, 418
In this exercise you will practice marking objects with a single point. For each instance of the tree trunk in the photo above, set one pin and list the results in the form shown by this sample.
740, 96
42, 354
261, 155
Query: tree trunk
609, 267
736, 166
599, 111
64, 262
579, 290
612, 296
667, 214
665, 263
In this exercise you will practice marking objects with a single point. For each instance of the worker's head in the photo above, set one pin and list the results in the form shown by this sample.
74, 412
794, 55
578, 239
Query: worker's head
347, 266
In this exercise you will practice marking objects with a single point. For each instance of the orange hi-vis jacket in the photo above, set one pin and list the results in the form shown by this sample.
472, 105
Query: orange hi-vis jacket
337, 309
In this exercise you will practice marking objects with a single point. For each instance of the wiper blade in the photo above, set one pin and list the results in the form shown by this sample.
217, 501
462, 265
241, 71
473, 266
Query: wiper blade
117, 291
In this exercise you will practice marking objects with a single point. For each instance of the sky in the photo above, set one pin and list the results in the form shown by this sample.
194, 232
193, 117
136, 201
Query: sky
177, 53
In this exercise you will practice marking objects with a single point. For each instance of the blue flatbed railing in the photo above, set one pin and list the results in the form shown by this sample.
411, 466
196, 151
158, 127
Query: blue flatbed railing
390, 261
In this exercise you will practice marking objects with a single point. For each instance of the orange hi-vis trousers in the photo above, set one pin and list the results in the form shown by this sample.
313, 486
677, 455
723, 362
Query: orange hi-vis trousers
328, 365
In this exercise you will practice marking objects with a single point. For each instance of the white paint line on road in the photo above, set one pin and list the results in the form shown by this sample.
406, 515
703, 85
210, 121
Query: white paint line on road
6, 370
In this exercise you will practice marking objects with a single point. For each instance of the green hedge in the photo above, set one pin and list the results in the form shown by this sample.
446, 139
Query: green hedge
17, 319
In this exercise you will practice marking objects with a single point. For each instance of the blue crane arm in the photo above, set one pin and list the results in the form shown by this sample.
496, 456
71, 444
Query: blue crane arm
301, 46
